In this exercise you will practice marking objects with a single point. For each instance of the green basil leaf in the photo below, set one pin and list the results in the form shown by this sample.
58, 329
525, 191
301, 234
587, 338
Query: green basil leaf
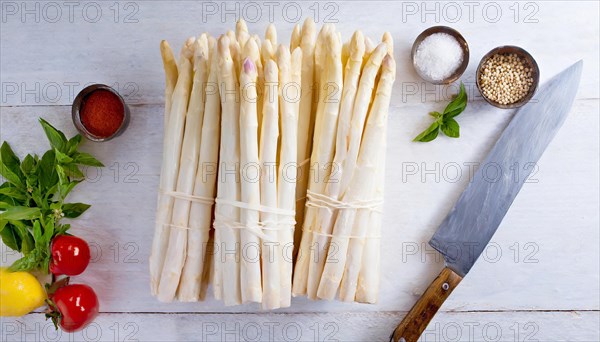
49, 230
28, 262
62, 175
27, 242
13, 192
73, 144
86, 159
57, 138
10, 166
28, 165
20, 213
9, 158
457, 105
73, 210
47, 171
65, 189
37, 232
3, 224
435, 114
73, 171
429, 134
62, 158
11, 238
451, 128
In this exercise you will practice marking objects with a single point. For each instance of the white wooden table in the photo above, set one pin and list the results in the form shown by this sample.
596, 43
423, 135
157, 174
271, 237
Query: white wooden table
539, 279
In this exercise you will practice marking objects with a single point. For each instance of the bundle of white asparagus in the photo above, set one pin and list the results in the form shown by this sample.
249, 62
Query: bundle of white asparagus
339, 249
253, 132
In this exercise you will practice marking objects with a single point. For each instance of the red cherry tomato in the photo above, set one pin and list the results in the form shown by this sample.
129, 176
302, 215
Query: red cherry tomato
77, 306
70, 255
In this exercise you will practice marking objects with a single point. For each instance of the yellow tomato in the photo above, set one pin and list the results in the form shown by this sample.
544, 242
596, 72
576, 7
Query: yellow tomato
20, 293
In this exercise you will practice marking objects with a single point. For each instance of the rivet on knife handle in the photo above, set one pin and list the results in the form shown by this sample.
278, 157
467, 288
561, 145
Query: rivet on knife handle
419, 316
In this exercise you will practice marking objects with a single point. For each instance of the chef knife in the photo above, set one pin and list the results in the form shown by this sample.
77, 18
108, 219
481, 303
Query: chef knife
466, 231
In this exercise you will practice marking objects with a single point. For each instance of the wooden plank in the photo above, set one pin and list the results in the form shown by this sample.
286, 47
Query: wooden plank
377, 326
47, 62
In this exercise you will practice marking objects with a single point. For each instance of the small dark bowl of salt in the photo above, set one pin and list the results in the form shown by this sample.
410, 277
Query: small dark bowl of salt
440, 55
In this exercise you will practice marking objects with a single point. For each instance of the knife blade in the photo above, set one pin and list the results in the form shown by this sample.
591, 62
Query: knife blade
469, 226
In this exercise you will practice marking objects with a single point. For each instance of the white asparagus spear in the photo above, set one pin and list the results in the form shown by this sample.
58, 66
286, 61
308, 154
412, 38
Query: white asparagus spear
389, 41
289, 101
169, 170
271, 35
299, 283
236, 53
296, 38
243, 39
361, 107
364, 287
252, 51
266, 51
352, 75
212, 45
325, 154
268, 189
326, 216
227, 238
204, 187
369, 278
306, 121
205, 276
362, 187
170, 66
345, 55
241, 33
250, 275
187, 50
240, 28
188, 164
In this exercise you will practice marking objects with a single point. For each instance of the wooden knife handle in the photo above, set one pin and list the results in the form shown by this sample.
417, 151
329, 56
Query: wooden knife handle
419, 316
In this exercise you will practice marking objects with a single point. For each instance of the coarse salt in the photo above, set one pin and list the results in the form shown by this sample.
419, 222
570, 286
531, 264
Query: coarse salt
438, 56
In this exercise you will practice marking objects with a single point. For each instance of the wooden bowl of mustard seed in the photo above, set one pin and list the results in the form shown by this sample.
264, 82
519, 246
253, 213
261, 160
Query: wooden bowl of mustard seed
507, 77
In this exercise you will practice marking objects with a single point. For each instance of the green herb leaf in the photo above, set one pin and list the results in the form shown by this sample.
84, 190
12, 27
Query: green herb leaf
451, 128
72, 171
457, 105
47, 171
57, 138
20, 213
10, 167
26, 263
11, 238
13, 192
62, 158
65, 189
73, 210
86, 159
27, 242
445, 121
73, 144
429, 134
28, 165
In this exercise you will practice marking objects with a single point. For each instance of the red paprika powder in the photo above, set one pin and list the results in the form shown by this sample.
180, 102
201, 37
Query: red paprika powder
102, 113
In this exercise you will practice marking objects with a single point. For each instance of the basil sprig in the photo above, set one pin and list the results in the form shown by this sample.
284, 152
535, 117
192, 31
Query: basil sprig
32, 200
445, 121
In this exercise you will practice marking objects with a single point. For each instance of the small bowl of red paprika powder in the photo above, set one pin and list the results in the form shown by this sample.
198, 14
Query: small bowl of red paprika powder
100, 113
